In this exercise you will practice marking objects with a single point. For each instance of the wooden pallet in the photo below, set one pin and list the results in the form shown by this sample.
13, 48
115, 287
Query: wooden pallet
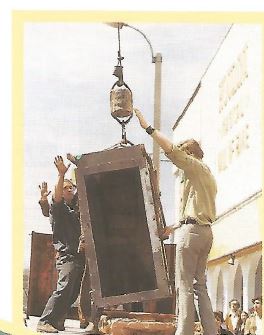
130, 323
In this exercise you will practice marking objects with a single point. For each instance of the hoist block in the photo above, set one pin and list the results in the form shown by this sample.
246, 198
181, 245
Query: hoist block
121, 102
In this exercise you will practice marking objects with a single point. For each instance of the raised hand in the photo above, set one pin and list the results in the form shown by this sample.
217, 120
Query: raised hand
44, 193
72, 158
61, 167
143, 123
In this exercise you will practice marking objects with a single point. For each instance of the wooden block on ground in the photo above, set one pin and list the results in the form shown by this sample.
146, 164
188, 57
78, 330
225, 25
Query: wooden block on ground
126, 326
140, 316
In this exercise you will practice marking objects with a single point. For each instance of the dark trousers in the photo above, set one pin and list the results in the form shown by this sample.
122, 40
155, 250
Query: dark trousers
85, 308
70, 272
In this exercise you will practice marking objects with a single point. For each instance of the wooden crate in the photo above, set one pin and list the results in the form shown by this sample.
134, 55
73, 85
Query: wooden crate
121, 216
42, 275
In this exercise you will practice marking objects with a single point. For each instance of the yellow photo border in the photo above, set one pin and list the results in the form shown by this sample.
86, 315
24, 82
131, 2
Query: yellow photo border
19, 18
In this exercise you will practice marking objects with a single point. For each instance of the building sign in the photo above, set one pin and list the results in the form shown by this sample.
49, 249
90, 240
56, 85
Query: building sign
233, 129
233, 79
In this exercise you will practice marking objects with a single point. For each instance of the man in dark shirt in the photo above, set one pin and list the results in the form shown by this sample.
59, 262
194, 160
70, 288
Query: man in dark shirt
70, 263
84, 306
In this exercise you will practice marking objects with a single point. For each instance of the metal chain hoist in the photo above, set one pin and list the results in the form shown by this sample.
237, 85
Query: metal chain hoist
121, 100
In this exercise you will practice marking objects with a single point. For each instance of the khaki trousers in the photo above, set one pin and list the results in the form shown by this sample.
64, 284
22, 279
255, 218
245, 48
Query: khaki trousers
193, 244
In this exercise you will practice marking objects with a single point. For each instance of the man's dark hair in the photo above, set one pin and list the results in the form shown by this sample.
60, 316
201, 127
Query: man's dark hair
219, 315
257, 298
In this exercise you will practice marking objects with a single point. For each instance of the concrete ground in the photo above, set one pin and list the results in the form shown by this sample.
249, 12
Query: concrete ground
71, 326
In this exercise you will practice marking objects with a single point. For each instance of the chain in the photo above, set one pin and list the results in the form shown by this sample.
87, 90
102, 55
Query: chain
120, 58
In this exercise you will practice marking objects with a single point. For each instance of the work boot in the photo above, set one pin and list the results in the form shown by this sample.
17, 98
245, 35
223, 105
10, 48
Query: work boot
93, 331
84, 324
60, 325
46, 328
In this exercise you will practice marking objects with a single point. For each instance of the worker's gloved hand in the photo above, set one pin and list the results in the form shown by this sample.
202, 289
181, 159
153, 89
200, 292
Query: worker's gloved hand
72, 158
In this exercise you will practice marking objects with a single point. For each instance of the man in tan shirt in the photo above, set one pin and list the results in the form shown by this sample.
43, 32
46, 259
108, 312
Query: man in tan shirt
254, 322
194, 233
233, 318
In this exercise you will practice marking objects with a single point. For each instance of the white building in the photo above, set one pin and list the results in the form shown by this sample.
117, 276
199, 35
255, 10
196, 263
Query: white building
225, 115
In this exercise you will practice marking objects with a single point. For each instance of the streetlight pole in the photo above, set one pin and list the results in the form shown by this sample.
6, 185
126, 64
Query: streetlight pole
157, 60
157, 109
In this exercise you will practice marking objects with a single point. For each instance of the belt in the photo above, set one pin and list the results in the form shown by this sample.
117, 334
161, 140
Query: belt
188, 221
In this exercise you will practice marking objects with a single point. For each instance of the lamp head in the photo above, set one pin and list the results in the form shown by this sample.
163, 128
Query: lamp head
231, 260
119, 25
